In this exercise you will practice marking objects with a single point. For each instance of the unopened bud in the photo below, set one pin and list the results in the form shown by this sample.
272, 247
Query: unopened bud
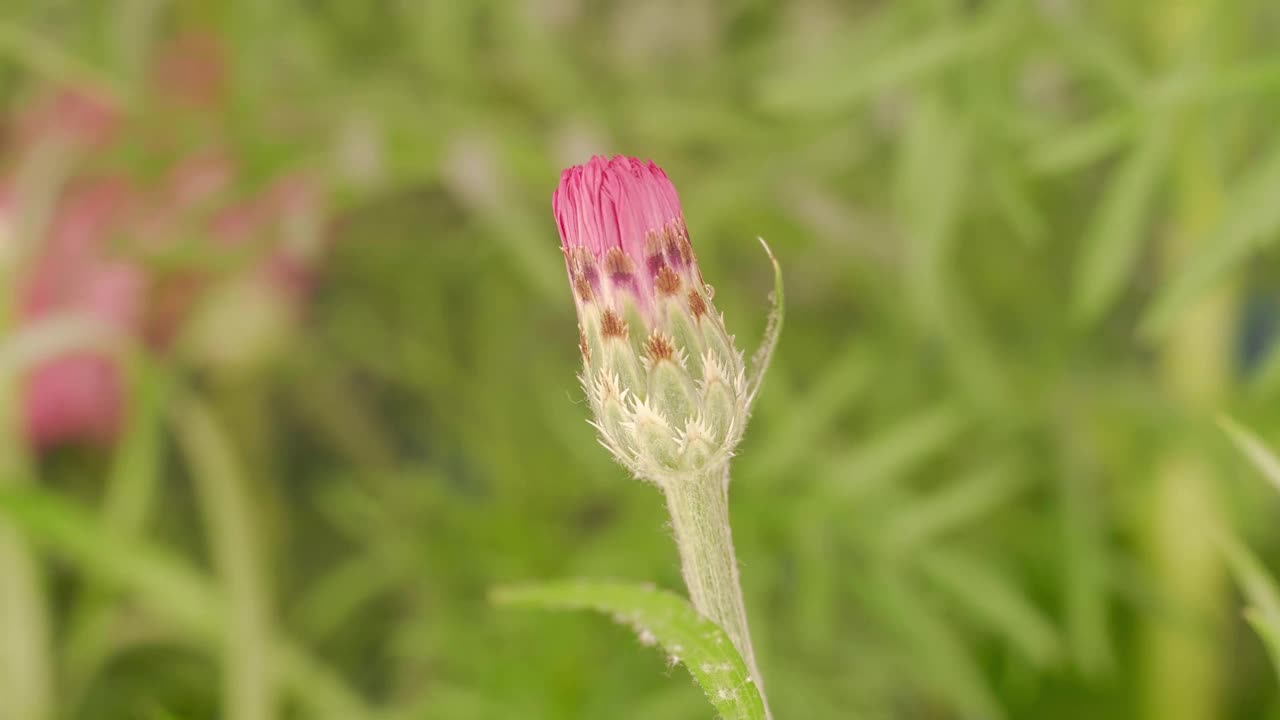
665, 382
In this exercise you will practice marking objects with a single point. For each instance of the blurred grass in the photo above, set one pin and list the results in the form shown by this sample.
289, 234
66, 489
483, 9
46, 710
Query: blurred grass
943, 505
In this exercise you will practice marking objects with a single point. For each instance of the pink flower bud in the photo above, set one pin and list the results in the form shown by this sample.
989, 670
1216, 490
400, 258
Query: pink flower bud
661, 373
623, 234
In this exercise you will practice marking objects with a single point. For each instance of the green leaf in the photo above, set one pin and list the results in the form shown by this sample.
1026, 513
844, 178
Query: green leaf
811, 87
166, 587
799, 420
994, 599
128, 501
894, 451
1251, 220
1253, 448
1115, 237
773, 328
46, 58
946, 663
1073, 148
661, 617
1263, 612
1259, 587
932, 177
1082, 545
958, 504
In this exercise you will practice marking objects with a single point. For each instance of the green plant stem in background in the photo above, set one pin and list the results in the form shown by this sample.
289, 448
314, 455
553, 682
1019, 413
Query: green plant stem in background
25, 677
699, 507
127, 505
248, 672
26, 661
1183, 658
1183, 661
25, 687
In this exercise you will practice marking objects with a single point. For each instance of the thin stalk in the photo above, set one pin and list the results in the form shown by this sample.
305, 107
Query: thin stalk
26, 661
249, 683
26, 683
699, 507
1183, 658
26, 670
131, 491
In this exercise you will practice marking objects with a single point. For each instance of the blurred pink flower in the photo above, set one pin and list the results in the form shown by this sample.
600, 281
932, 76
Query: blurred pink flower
78, 395
77, 115
92, 259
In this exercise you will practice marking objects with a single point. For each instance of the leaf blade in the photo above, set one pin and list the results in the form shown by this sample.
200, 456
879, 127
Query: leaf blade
662, 617
772, 330
1249, 222
1115, 235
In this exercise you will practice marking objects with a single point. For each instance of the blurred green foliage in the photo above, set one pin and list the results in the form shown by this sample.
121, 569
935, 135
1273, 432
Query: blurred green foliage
1028, 250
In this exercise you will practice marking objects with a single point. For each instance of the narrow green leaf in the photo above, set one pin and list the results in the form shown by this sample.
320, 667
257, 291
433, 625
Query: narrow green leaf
1249, 221
1114, 240
221, 483
994, 599
166, 587
894, 451
1082, 540
1012, 198
796, 424
1253, 448
658, 617
812, 87
1082, 145
946, 664
45, 57
1262, 78
1091, 49
931, 180
1259, 587
1260, 590
954, 506
773, 328
127, 504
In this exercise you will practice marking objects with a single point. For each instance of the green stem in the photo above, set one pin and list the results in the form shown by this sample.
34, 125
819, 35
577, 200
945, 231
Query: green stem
1184, 661
248, 671
1183, 656
699, 507
127, 504
26, 675
26, 662
27, 685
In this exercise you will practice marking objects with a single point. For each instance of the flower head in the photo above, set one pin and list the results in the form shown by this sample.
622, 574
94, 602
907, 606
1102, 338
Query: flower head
663, 377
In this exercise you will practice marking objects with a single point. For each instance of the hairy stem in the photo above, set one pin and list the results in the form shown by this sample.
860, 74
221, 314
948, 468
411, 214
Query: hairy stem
699, 507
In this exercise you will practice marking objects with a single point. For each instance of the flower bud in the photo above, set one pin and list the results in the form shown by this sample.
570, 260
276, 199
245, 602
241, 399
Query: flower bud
662, 375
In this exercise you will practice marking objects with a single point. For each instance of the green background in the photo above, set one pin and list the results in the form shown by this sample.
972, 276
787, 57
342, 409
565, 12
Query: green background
1027, 248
